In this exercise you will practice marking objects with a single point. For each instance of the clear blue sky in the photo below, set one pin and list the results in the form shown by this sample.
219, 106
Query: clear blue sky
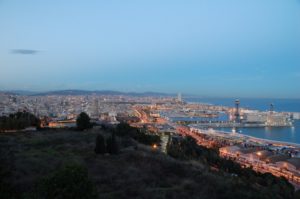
206, 47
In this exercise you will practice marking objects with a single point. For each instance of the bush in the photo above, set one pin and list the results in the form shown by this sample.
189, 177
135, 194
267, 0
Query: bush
6, 188
297, 194
70, 182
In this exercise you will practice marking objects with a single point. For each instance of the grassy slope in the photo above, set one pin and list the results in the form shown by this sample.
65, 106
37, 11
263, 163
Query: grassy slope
140, 173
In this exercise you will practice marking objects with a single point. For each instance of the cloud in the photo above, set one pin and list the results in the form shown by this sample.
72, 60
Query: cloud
24, 51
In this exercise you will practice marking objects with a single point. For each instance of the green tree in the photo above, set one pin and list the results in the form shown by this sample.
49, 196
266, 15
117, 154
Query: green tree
124, 129
19, 120
100, 145
83, 121
183, 148
140, 135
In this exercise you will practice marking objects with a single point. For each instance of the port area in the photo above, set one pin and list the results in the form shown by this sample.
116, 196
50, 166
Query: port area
209, 116
180, 119
237, 138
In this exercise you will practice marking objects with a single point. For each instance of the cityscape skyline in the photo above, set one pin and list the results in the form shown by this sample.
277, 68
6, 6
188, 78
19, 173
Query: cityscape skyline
214, 49
150, 99
146, 93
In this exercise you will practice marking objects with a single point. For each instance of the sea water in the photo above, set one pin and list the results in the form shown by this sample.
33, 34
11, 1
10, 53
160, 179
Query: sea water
286, 134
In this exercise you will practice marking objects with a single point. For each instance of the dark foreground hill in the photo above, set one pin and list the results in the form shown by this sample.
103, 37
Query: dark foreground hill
40, 164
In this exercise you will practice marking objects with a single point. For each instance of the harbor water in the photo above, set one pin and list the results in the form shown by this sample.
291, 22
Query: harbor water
285, 134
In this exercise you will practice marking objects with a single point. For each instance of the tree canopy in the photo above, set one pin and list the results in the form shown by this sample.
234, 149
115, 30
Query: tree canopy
83, 121
140, 135
18, 121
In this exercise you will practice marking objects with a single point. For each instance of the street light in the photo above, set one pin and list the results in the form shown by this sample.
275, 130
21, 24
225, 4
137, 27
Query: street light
154, 146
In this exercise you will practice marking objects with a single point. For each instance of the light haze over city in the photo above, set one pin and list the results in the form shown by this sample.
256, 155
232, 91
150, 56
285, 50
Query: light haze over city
208, 48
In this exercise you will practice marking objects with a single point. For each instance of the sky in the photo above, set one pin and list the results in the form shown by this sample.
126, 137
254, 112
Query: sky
225, 48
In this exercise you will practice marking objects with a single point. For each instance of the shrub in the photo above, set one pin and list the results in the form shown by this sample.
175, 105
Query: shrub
6, 188
70, 182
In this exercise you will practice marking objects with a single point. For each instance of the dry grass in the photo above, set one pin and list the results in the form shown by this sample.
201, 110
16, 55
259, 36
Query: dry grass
133, 173
140, 173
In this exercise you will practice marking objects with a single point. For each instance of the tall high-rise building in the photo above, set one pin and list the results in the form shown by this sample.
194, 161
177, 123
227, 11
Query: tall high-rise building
271, 108
95, 108
179, 97
237, 110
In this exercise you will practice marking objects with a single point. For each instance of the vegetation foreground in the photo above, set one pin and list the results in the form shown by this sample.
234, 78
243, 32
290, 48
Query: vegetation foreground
63, 164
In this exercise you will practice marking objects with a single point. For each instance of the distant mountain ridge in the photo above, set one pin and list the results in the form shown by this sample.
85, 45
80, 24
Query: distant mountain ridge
87, 92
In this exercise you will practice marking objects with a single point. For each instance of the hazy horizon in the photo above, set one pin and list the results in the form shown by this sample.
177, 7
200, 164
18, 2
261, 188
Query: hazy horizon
184, 95
206, 48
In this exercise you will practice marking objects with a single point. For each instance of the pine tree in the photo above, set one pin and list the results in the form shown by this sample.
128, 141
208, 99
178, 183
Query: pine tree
83, 121
112, 145
100, 145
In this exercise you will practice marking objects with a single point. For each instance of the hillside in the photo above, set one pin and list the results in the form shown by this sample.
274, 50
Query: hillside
76, 92
136, 172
